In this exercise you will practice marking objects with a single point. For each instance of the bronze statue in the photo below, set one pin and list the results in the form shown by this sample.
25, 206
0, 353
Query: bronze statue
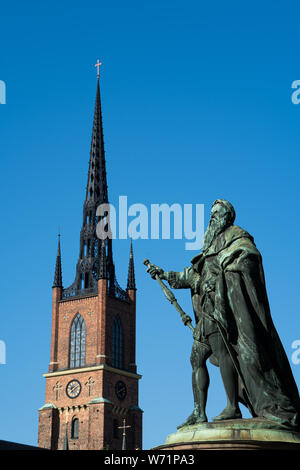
234, 328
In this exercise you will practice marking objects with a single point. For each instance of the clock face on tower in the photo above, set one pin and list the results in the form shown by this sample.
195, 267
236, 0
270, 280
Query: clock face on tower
121, 390
73, 388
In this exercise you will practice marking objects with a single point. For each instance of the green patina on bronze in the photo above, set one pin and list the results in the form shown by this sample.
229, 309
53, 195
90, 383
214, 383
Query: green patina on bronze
234, 328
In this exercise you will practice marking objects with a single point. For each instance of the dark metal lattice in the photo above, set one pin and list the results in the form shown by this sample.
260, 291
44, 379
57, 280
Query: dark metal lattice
90, 266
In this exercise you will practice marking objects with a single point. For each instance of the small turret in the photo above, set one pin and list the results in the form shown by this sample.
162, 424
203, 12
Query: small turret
58, 272
131, 276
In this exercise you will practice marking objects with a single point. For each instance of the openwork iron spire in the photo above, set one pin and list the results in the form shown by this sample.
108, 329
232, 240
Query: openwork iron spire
88, 265
131, 275
58, 272
96, 190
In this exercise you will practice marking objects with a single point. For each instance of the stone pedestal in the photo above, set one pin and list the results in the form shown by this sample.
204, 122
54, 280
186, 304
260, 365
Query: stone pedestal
237, 434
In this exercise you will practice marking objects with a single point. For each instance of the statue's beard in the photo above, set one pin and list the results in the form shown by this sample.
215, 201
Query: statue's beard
214, 228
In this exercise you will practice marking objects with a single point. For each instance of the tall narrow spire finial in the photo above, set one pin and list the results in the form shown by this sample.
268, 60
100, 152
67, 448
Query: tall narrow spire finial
131, 275
88, 265
98, 67
58, 271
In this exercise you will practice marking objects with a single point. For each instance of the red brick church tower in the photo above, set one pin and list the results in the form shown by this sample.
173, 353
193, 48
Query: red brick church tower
92, 382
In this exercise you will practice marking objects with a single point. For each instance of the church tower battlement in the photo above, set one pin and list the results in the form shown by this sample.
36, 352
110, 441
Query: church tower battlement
92, 381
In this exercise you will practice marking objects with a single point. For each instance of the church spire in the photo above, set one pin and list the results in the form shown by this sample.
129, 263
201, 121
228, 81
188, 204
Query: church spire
131, 275
88, 265
96, 194
97, 182
58, 272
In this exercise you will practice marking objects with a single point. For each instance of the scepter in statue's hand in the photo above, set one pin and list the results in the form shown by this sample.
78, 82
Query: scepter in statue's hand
158, 274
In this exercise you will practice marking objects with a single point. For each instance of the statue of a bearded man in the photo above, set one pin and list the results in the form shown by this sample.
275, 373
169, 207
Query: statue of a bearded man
229, 294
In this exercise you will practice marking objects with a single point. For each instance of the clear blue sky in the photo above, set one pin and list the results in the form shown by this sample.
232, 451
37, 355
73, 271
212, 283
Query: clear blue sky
197, 105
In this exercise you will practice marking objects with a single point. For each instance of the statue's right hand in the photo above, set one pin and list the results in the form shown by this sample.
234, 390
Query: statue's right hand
155, 271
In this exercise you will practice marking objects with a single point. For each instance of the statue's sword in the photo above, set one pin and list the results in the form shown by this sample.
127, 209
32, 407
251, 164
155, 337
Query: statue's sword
171, 297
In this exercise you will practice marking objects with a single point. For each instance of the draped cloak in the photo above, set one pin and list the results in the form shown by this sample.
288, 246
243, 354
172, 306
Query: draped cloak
240, 305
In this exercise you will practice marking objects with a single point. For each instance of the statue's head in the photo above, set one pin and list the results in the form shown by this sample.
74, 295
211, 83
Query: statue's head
222, 216
222, 209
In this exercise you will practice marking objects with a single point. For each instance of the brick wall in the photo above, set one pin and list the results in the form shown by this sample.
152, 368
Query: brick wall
97, 378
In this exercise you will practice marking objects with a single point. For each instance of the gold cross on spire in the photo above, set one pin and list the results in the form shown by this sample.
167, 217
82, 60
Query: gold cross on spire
98, 65
124, 427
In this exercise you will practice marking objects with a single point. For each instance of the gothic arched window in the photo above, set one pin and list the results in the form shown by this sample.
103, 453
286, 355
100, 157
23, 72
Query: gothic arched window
75, 428
117, 344
77, 342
